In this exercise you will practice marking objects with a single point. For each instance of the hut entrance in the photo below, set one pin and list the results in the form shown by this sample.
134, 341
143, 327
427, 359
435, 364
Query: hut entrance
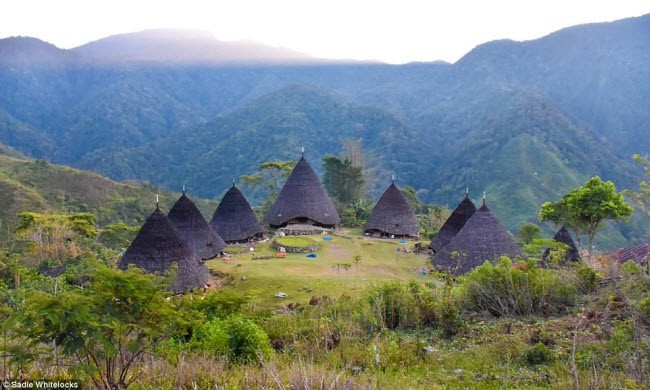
382, 234
300, 221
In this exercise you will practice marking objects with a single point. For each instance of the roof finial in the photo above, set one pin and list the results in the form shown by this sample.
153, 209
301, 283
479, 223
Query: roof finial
392, 177
183, 189
302, 150
483, 198
466, 192
233, 181
157, 202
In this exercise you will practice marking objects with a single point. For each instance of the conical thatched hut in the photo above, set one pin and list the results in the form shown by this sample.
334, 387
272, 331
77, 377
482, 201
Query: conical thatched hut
194, 229
234, 219
392, 216
564, 237
157, 246
453, 224
483, 238
303, 200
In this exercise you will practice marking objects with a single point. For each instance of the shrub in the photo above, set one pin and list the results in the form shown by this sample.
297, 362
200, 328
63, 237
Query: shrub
212, 337
449, 316
539, 354
239, 338
220, 304
587, 278
396, 305
644, 305
247, 341
520, 289
391, 306
630, 268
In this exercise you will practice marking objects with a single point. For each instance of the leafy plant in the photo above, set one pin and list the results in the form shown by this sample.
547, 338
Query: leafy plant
539, 354
520, 288
108, 326
585, 209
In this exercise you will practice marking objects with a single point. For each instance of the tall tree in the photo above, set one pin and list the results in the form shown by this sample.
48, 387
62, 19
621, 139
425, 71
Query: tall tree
270, 175
343, 180
55, 236
528, 232
269, 180
585, 209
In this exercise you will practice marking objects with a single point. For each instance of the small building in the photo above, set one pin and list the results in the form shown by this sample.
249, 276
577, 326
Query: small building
157, 246
303, 200
195, 230
234, 219
392, 216
453, 224
482, 238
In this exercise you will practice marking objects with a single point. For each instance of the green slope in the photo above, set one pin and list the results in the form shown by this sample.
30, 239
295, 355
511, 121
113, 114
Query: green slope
36, 185
528, 154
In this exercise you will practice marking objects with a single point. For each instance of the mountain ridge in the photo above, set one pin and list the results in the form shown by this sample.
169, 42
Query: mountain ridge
182, 46
430, 115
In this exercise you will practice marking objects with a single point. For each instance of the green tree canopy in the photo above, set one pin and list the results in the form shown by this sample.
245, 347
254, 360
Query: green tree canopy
585, 209
107, 326
270, 175
527, 232
55, 236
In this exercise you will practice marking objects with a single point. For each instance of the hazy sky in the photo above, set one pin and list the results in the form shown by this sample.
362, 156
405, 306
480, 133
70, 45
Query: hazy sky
391, 31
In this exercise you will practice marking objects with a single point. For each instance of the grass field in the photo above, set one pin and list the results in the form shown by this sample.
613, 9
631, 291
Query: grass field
332, 272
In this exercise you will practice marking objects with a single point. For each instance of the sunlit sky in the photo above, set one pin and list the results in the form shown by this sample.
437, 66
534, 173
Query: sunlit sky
397, 31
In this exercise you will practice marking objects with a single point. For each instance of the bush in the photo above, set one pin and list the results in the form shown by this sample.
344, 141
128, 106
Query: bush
630, 268
239, 338
539, 354
396, 305
644, 305
220, 304
247, 342
449, 316
520, 289
587, 278
212, 337
391, 306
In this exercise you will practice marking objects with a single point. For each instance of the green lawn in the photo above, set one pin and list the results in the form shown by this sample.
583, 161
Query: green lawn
302, 277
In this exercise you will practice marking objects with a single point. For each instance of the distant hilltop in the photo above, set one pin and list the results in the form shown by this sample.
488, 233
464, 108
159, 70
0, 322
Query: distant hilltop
168, 46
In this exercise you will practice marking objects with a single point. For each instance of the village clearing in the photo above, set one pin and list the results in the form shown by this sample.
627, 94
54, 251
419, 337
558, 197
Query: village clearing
332, 272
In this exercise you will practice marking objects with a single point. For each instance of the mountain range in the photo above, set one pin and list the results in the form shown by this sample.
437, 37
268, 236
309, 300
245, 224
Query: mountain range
523, 121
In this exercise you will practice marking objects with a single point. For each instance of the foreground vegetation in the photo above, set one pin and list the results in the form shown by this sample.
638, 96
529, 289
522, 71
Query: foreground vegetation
511, 324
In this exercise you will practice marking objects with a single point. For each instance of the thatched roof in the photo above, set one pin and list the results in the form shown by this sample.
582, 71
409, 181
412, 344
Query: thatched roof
157, 246
392, 215
303, 200
234, 219
194, 229
637, 254
564, 237
483, 238
453, 224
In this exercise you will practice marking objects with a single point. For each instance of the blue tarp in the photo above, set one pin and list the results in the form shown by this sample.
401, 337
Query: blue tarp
327, 238
311, 255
